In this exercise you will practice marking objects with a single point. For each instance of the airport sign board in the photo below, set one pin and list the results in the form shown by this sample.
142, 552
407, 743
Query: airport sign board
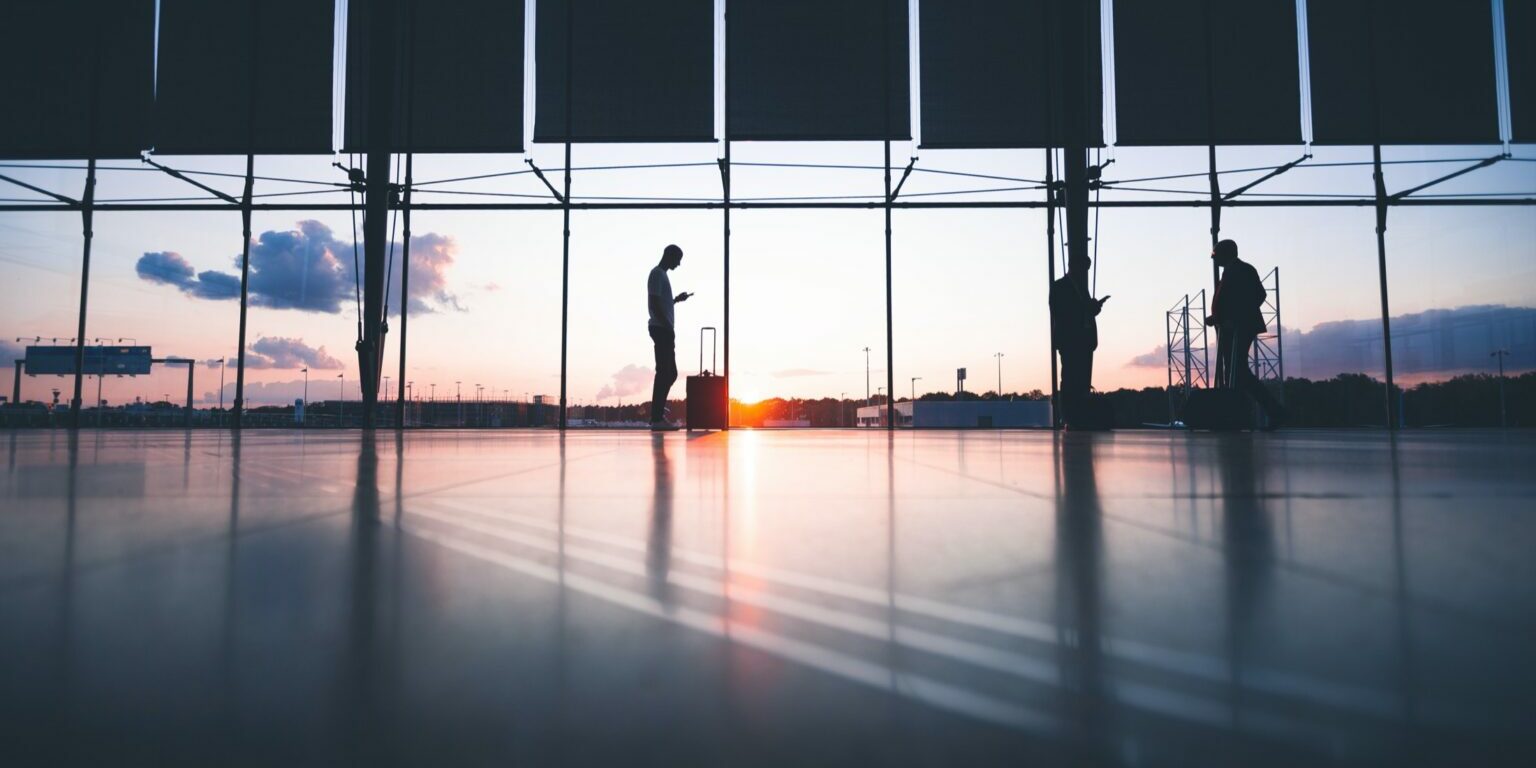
115, 361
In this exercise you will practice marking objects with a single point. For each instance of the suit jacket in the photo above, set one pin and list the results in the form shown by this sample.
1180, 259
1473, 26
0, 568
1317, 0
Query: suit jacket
1074, 323
1238, 299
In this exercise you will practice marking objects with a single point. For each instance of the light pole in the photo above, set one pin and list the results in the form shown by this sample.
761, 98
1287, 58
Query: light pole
222, 360
915, 379
1501, 354
866, 375
304, 417
341, 409
842, 408
458, 402
999, 357
878, 391
386, 389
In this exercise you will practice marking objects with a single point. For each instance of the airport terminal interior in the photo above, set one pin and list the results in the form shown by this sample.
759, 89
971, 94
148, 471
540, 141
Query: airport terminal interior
335, 432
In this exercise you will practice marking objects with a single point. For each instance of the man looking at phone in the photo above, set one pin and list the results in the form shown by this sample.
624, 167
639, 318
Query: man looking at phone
663, 332
1075, 335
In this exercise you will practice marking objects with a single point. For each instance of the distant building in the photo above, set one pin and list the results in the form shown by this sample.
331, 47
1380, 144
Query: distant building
785, 423
962, 414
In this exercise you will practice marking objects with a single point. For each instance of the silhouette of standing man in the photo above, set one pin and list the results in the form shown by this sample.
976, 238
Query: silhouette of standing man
1235, 313
663, 332
1075, 335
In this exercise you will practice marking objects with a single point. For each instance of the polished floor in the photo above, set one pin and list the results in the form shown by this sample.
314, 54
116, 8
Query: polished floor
768, 598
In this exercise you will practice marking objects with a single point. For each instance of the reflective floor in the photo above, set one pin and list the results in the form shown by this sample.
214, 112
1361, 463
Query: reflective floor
768, 598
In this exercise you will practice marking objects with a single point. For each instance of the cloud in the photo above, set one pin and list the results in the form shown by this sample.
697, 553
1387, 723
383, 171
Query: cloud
285, 353
1434, 342
10, 352
629, 380
165, 267
309, 269
791, 373
1157, 358
281, 353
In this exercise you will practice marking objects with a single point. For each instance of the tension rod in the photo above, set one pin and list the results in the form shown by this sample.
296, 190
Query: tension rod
179, 175
540, 174
904, 175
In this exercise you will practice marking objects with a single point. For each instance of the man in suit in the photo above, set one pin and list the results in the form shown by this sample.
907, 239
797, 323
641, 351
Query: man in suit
1075, 335
1235, 313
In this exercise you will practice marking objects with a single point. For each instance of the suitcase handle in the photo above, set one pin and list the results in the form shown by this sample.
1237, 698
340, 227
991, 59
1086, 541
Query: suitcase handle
714, 336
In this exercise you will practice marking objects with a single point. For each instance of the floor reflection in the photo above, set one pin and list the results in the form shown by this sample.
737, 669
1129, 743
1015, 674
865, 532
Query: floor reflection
658, 549
1078, 579
892, 599
1248, 553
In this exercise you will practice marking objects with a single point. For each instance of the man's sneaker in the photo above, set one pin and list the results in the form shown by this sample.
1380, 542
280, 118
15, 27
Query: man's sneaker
663, 426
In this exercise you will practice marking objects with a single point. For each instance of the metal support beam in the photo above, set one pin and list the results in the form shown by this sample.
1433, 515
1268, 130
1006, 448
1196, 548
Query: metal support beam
725, 184
1484, 163
245, 291
380, 140
1381, 269
890, 333
1050, 271
16, 384
173, 173
405, 208
565, 205
539, 173
742, 205
191, 369
39, 190
1216, 202
405, 289
87, 211
904, 174
1266, 177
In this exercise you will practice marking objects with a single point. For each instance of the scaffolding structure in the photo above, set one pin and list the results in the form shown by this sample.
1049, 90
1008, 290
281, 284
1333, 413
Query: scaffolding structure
1188, 354
1267, 359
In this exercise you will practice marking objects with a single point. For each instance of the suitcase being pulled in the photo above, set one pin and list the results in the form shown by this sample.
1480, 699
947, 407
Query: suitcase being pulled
707, 404
1221, 408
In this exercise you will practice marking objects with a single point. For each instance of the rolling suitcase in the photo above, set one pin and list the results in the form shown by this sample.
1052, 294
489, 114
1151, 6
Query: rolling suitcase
1219, 409
707, 404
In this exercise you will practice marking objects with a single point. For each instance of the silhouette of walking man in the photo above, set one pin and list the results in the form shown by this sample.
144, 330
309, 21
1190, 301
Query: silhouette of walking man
1075, 335
1235, 313
663, 332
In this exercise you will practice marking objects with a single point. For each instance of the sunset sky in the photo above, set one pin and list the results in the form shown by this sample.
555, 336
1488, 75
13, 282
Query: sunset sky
807, 286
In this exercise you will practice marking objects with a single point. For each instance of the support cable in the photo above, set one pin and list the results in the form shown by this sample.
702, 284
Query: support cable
357, 270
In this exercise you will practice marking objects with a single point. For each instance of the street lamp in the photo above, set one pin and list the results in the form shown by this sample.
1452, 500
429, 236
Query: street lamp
1501, 354
222, 361
866, 375
304, 417
842, 408
999, 357
341, 410
458, 400
386, 389
915, 380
